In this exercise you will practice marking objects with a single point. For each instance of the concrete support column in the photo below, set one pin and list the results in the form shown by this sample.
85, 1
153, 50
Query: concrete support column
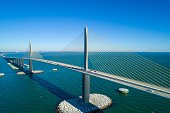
22, 60
19, 62
85, 78
30, 61
30, 65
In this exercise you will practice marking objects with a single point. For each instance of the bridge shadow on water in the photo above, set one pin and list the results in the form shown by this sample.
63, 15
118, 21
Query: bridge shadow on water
60, 93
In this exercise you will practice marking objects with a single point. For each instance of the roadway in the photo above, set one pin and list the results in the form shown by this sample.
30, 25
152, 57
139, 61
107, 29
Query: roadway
150, 88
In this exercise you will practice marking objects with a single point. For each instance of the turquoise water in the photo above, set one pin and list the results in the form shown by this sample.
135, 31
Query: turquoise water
41, 93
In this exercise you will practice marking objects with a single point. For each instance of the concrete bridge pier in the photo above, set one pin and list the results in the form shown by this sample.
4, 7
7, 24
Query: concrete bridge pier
30, 66
85, 78
30, 61
17, 62
22, 64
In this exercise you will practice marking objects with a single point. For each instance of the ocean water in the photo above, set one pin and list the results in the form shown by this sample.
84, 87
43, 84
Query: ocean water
41, 93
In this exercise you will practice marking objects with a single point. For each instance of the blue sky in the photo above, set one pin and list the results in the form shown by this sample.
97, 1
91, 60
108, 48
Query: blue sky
138, 25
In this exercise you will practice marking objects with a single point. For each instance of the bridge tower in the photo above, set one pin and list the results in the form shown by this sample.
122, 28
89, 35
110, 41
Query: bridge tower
85, 77
30, 60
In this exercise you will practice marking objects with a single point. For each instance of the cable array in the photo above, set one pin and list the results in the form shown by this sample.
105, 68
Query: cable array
118, 61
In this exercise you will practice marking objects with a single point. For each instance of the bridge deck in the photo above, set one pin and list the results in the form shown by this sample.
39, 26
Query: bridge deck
150, 88
153, 89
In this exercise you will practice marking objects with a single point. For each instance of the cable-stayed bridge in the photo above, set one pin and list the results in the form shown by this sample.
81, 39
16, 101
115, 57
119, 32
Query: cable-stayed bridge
123, 67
